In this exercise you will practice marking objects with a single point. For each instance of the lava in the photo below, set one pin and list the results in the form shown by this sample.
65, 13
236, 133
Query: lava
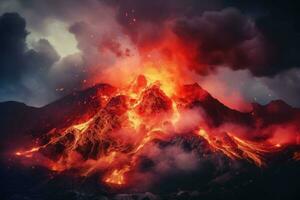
237, 148
117, 176
149, 109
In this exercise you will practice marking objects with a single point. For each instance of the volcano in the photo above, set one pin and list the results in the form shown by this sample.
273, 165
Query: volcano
138, 137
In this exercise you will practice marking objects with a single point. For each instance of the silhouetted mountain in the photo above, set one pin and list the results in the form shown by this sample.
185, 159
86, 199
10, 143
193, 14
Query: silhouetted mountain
18, 118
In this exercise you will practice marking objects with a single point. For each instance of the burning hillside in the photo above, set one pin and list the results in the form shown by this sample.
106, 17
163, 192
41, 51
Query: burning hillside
132, 123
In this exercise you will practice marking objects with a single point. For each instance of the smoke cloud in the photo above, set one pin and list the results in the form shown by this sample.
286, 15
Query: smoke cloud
223, 42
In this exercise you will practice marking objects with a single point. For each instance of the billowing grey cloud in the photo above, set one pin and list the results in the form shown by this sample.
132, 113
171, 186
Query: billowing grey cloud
18, 63
225, 37
35, 73
256, 37
145, 21
286, 86
239, 88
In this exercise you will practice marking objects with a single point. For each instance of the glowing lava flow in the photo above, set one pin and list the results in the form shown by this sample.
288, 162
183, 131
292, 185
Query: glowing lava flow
237, 148
112, 140
28, 153
140, 111
117, 176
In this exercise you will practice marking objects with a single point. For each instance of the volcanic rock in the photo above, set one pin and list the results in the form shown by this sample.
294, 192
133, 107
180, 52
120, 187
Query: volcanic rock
154, 102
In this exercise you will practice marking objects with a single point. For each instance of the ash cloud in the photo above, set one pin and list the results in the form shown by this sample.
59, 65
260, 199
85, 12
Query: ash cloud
260, 37
223, 38
278, 22
146, 21
257, 37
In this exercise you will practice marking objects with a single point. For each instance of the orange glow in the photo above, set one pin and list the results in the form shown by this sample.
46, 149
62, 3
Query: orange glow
117, 176
143, 111
296, 156
82, 126
237, 148
161, 76
28, 153
144, 129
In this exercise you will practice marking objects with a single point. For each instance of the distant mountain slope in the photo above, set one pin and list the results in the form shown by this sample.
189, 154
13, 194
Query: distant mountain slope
18, 119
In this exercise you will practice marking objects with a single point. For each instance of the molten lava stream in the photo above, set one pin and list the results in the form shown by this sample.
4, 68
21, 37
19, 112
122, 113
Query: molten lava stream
112, 141
117, 176
237, 148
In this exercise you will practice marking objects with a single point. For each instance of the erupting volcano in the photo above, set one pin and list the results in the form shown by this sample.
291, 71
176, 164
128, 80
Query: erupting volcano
149, 100
118, 138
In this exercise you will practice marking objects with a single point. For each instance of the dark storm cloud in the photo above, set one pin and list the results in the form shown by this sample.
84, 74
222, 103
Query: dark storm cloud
223, 38
284, 43
157, 11
275, 50
144, 21
56, 8
33, 71
16, 59
12, 40
262, 36
17, 62
279, 23
259, 36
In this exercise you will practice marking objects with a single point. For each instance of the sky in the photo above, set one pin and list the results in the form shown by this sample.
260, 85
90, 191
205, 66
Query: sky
240, 51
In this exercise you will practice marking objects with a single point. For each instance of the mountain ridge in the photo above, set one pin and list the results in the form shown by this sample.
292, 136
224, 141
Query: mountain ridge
72, 107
